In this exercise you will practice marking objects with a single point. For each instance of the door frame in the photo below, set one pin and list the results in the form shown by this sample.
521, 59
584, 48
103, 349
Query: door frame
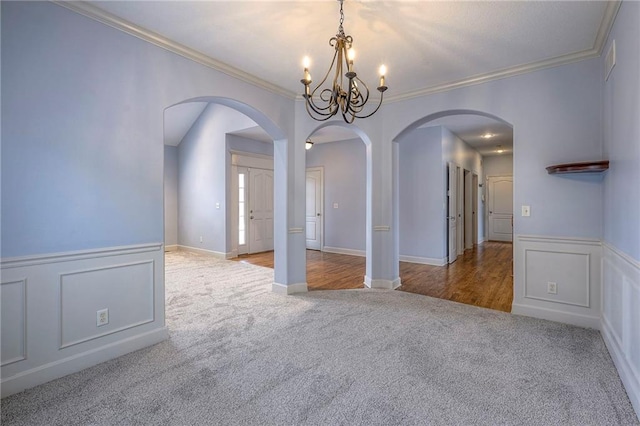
321, 220
242, 160
452, 216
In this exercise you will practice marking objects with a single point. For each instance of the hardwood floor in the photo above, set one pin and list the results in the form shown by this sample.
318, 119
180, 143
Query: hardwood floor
480, 277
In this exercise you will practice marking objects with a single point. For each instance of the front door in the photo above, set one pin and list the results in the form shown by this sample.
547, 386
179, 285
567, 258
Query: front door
260, 210
314, 209
500, 195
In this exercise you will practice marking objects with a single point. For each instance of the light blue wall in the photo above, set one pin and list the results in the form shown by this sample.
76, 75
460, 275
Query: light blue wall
422, 194
82, 134
556, 115
622, 135
498, 165
344, 166
170, 195
239, 143
202, 183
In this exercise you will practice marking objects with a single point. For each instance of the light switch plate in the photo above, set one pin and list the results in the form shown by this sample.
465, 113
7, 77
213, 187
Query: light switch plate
526, 211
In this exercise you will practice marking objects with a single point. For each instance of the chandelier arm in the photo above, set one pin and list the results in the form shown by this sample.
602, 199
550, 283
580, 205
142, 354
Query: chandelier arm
375, 110
316, 115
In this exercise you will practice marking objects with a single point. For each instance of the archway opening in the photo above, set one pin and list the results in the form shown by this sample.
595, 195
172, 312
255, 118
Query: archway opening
443, 207
337, 198
216, 150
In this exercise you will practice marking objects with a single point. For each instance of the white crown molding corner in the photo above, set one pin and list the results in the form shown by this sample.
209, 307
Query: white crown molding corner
610, 13
90, 11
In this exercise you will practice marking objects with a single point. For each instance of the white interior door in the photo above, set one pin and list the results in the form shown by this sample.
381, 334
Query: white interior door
474, 207
500, 197
460, 207
260, 210
468, 212
452, 212
314, 209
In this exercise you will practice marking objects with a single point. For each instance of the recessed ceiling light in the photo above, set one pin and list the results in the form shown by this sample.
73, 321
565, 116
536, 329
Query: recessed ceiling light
487, 136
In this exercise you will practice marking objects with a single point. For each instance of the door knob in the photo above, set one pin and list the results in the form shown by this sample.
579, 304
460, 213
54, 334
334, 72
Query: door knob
317, 214
250, 217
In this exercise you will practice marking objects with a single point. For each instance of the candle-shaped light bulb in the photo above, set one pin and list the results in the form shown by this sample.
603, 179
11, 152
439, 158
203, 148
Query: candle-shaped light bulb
382, 71
306, 62
351, 54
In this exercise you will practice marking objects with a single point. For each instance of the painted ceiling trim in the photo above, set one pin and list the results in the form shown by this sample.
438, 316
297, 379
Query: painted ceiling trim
118, 23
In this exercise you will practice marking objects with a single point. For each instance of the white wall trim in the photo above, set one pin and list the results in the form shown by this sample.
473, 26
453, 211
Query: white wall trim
251, 161
296, 230
289, 289
75, 363
423, 260
216, 254
97, 14
172, 247
557, 315
381, 228
41, 259
621, 317
340, 250
572, 240
573, 263
382, 284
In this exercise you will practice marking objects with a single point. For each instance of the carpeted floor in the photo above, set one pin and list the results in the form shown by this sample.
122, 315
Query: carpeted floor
239, 354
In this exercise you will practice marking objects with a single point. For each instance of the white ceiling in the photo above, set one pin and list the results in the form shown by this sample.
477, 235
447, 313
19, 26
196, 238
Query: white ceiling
427, 46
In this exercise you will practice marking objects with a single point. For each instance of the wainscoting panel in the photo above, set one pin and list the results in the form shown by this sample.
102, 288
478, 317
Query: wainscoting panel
83, 293
573, 265
50, 304
14, 321
621, 317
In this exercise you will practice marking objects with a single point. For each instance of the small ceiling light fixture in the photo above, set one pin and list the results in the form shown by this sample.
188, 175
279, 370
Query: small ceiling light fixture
487, 136
349, 99
308, 144
500, 150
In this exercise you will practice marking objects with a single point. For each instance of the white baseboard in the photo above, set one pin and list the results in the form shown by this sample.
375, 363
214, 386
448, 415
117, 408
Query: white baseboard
54, 370
480, 240
172, 247
289, 289
216, 254
339, 250
382, 284
423, 260
556, 315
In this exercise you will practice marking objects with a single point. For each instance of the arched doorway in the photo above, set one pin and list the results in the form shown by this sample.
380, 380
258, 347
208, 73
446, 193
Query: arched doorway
337, 166
209, 229
439, 204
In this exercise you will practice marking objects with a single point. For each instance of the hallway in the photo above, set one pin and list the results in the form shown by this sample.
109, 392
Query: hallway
481, 277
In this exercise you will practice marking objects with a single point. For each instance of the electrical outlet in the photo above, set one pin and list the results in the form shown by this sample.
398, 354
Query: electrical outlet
200, 238
102, 317
552, 288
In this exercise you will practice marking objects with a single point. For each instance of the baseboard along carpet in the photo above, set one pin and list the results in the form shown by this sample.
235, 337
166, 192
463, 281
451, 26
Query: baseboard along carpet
240, 354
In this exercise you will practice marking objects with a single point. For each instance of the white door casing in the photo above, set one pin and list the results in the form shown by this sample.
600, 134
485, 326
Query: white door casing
452, 212
260, 210
460, 208
500, 206
314, 208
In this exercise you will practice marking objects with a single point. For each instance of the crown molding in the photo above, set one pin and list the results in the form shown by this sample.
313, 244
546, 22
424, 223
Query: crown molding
118, 23
102, 16
598, 46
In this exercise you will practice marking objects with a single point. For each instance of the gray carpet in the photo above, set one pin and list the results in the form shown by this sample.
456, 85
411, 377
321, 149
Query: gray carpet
241, 355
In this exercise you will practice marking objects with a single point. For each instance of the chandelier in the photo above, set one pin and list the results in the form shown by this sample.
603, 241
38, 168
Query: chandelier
346, 92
